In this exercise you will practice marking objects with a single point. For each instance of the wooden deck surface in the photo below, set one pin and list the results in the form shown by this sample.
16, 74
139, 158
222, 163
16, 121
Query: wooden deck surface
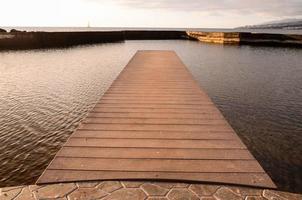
155, 122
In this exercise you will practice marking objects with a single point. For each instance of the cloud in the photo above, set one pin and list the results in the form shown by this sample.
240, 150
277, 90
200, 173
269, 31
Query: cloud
277, 8
143, 13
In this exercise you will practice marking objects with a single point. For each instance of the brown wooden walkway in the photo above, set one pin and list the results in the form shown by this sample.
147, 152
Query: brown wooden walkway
155, 122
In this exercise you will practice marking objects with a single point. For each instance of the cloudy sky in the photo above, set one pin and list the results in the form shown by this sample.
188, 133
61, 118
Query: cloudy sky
144, 13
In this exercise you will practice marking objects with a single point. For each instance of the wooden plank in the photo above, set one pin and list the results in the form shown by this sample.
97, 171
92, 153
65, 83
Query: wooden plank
195, 116
90, 120
163, 165
154, 127
248, 179
157, 95
152, 90
154, 101
157, 106
155, 122
153, 93
158, 153
156, 135
158, 110
145, 86
155, 143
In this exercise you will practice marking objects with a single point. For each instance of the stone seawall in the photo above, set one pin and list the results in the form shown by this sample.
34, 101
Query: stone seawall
238, 38
32, 40
271, 39
216, 37
155, 35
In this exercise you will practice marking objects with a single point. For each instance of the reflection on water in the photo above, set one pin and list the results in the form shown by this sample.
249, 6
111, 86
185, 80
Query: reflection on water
44, 95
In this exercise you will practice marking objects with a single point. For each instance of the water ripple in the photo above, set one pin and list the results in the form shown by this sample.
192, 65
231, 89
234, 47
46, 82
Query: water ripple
45, 94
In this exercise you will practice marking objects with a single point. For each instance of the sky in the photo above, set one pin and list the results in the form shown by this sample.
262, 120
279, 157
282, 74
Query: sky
144, 13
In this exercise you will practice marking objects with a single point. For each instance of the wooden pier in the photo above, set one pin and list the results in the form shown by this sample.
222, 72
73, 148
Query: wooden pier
155, 122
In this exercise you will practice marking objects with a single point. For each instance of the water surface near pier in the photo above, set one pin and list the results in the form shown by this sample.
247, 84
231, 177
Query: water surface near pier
45, 93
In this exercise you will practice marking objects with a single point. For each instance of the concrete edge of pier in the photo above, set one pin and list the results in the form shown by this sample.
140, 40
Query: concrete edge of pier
141, 190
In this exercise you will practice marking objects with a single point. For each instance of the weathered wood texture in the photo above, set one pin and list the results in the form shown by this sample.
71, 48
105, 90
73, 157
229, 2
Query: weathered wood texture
155, 122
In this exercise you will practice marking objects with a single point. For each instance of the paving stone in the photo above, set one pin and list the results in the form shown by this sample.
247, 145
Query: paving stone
167, 185
255, 198
87, 184
272, 195
170, 185
154, 190
277, 195
203, 190
9, 193
288, 195
181, 185
6, 189
87, 194
110, 186
157, 198
132, 184
225, 193
127, 194
245, 191
25, 194
34, 187
181, 194
55, 191
208, 198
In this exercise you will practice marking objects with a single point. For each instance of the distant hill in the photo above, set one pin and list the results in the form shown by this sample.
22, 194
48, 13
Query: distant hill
293, 24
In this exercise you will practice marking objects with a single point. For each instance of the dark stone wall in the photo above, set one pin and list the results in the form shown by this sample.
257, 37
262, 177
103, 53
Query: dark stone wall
32, 40
155, 35
246, 38
271, 39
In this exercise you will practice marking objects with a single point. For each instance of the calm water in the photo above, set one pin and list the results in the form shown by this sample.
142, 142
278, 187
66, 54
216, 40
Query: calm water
45, 93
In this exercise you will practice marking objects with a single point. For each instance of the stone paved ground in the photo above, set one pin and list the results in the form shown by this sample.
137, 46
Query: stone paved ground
129, 190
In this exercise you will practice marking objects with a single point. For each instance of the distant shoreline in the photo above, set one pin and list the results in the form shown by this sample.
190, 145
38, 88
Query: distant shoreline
16, 40
101, 29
